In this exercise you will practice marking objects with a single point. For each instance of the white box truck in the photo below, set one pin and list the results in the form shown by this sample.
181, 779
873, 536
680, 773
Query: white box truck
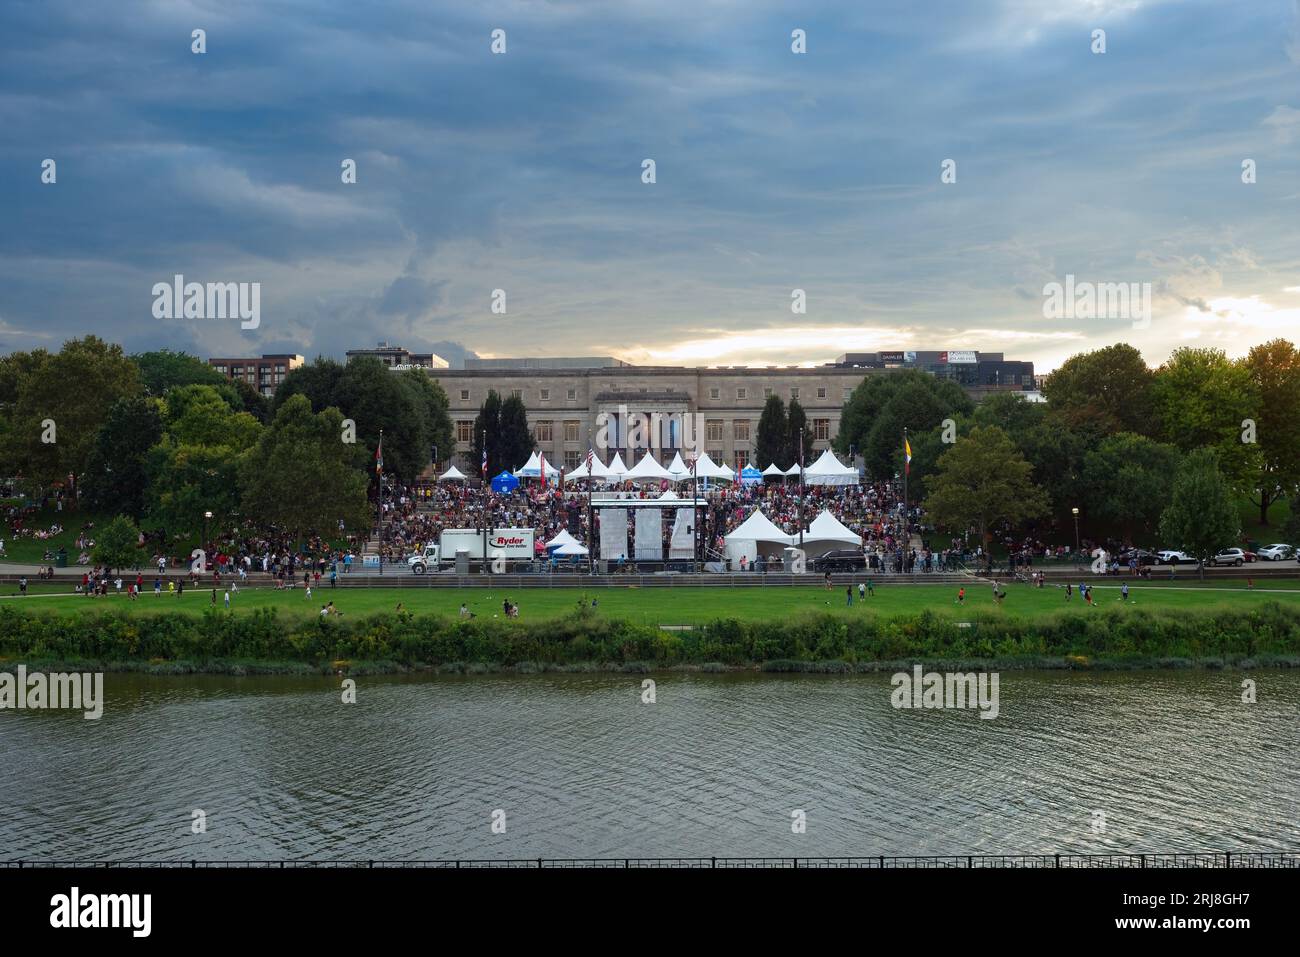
513, 544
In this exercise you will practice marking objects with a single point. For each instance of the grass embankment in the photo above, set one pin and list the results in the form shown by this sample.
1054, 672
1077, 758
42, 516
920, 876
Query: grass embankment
1170, 628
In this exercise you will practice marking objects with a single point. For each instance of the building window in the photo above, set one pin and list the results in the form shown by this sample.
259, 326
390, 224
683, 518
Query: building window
742, 393
767, 392
716, 455
821, 392
572, 459
740, 429
848, 394
822, 429
715, 393
516, 393
794, 395
464, 395
572, 394
545, 394
571, 430
742, 458
713, 430
544, 431
465, 430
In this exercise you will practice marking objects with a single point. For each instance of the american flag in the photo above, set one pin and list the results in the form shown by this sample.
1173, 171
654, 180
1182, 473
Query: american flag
591, 457
379, 457
483, 467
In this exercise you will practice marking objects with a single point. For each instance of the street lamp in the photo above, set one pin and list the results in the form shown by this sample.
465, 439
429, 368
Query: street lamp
207, 516
1075, 511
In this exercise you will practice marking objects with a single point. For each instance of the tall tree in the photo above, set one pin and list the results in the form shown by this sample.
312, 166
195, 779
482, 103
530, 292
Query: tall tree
164, 369
302, 477
515, 442
875, 415
1274, 370
1103, 392
435, 404
1202, 518
1202, 400
770, 437
195, 468
487, 436
117, 545
115, 470
798, 435
56, 404
1130, 480
983, 481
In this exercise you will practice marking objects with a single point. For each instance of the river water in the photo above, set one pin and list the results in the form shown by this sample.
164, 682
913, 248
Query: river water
581, 767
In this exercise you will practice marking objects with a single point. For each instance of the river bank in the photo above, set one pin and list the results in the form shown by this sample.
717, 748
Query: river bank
1267, 635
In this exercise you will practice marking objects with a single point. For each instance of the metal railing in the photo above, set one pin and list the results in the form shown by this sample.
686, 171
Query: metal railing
1158, 860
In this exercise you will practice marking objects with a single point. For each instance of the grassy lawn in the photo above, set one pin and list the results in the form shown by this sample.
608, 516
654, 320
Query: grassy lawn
29, 551
684, 606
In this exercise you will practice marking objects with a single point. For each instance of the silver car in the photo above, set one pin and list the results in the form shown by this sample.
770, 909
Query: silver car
1276, 553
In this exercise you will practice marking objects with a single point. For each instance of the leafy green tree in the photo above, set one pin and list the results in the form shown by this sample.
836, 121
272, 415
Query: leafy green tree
115, 471
1130, 480
317, 380
436, 407
164, 369
982, 481
515, 442
1274, 370
770, 437
117, 545
302, 477
875, 415
73, 388
1202, 517
1202, 399
1104, 392
798, 435
487, 436
195, 468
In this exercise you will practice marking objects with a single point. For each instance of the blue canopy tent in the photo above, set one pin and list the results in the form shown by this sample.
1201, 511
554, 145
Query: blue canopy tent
750, 475
505, 482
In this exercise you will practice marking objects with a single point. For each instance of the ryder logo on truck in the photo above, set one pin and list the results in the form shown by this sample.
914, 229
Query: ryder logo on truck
507, 541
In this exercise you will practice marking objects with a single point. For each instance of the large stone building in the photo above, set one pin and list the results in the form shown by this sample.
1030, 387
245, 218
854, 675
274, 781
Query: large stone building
578, 403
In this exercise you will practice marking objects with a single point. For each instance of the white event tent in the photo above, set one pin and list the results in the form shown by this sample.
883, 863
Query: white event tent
616, 471
774, 469
828, 470
678, 469
755, 535
562, 539
531, 469
598, 471
648, 470
452, 474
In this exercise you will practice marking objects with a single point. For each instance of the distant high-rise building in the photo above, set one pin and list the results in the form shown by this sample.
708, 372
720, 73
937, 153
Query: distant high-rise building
264, 374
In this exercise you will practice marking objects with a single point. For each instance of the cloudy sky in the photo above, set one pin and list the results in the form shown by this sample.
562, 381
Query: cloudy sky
775, 171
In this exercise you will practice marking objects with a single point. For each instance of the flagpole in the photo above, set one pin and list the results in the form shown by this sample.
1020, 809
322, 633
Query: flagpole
379, 478
484, 517
801, 488
907, 468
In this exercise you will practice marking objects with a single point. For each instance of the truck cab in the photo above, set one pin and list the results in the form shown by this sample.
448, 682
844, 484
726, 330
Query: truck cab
422, 560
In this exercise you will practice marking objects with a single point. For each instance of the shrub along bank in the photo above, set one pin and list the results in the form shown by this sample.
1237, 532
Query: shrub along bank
1114, 637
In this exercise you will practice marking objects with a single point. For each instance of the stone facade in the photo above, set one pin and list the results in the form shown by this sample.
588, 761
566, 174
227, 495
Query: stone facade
565, 407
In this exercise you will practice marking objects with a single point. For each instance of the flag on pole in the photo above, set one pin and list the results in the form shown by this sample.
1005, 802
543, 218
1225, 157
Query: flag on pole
379, 456
542, 466
907, 455
591, 457
483, 467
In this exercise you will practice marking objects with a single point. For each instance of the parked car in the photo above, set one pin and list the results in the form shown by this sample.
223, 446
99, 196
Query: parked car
1229, 556
1277, 553
1171, 557
1140, 555
840, 560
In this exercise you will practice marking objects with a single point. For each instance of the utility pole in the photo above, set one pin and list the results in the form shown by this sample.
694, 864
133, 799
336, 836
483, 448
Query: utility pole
801, 489
379, 477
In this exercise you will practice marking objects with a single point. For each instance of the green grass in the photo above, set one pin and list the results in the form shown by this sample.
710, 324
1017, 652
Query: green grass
676, 606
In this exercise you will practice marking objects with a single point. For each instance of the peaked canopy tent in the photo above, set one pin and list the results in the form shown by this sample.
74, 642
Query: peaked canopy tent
678, 469
828, 470
793, 470
531, 469
572, 550
598, 471
564, 538
648, 470
774, 470
505, 482
706, 468
755, 536
452, 474
615, 471
827, 532
750, 475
